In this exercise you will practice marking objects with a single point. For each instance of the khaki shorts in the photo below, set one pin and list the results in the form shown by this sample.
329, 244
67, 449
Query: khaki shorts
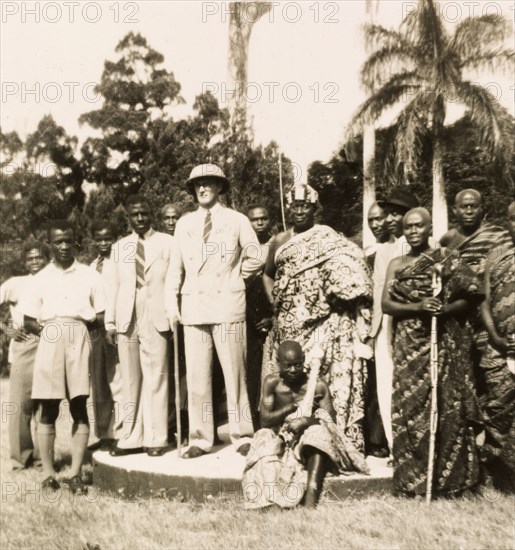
61, 368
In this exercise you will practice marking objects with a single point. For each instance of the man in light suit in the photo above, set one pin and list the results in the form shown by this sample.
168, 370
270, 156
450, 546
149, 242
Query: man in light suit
215, 249
136, 319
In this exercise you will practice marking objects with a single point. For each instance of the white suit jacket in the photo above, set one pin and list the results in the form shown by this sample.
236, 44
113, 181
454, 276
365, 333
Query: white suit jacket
121, 273
210, 276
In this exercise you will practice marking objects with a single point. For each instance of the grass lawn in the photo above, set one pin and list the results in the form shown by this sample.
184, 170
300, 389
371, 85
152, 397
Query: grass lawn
32, 519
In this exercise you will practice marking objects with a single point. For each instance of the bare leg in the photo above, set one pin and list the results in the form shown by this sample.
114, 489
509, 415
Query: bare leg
316, 473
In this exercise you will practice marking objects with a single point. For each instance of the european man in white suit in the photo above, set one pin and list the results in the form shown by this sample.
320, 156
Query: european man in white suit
136, 318
215, 249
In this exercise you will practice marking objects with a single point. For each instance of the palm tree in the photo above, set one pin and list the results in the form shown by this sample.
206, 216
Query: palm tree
429, 64
369, 150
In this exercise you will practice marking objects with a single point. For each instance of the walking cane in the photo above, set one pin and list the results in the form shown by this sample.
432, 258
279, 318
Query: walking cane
436, 285
177, 386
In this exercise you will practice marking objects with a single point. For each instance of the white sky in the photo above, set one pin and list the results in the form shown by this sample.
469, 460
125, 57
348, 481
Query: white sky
58, 49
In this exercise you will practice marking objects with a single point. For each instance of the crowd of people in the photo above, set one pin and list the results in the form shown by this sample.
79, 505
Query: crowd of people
321, 352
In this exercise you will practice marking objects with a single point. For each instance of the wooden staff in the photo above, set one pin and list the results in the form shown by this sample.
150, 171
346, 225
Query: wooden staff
436, 285
177, 386
281, 189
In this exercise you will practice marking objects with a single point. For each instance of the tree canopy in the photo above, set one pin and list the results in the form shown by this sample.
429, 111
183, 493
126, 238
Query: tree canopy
424, 66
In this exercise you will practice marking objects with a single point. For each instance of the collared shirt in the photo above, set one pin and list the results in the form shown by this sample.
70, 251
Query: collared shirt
76, 292
215, 210
12, 292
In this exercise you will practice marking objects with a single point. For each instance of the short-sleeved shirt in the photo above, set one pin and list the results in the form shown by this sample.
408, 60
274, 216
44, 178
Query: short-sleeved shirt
76, 292
12, 292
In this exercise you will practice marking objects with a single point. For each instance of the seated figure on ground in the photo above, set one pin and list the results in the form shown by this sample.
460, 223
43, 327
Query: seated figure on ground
299, 442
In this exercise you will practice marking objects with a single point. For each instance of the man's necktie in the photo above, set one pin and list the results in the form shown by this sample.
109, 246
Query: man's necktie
207, 226
140, 264
100, 264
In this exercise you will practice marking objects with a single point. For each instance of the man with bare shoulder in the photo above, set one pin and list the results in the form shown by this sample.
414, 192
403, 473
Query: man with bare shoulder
473, 237
299, 441
412, 300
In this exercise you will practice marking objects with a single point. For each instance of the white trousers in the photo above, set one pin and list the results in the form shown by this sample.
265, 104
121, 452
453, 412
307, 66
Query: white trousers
143, 353
230, 342
384, 375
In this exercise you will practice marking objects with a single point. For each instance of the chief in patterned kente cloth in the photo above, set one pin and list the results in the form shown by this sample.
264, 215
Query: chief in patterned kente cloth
319, 285
408, 298
498, 399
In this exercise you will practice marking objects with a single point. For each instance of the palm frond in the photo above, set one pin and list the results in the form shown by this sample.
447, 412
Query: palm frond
402, 85
493, 120
378, 37
474, 35
424, 27
378, 67
500, 59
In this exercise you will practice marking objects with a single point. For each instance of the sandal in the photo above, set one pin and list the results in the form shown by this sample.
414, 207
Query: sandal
50, 483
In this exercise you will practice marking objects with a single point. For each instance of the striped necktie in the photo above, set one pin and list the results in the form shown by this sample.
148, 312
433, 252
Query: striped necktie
207, 226
140, 264
100, 264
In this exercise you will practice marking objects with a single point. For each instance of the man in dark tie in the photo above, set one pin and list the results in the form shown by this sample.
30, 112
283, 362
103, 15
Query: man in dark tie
215, 249
136, 319
106, 389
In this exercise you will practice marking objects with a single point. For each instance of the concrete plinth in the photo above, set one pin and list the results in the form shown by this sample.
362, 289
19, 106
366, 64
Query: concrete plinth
215, 475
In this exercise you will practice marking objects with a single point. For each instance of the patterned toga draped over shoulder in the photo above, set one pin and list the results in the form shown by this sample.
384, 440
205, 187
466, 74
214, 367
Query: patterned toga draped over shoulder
456, 464
321, 293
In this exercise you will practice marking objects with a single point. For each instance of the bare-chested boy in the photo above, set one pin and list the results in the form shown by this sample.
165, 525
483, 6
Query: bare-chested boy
299, 442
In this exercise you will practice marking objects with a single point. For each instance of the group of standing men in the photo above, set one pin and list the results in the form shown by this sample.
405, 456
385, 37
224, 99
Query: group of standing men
117, 315
474, 304
299, 301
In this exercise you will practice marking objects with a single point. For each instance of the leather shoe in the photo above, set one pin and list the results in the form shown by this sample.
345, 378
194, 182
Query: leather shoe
244, 449
156, 451
95, 446
194, 452
76, 485
116, 451
50, 483
107, 444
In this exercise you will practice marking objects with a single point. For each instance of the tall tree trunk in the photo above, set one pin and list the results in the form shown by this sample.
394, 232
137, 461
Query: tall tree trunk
369, 181
440, 223
369, 153
241, 20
